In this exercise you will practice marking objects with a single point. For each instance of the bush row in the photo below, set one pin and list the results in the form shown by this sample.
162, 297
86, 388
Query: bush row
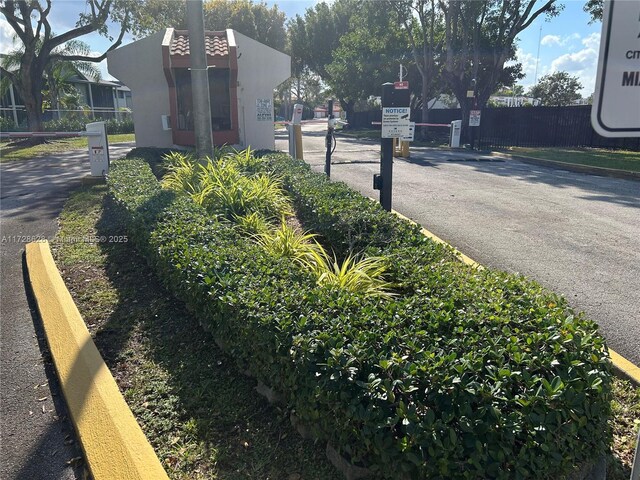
468, 374
79, 124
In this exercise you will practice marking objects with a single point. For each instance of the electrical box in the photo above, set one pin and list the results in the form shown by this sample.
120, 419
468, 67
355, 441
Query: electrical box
98, 149
454, 134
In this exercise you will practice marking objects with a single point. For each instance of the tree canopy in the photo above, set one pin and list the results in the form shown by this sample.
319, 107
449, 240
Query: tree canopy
557, 89
595, 9
40, 49
455, 46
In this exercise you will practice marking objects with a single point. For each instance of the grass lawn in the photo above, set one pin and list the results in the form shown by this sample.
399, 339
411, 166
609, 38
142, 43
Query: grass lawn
202, 416
10, 153
593, 157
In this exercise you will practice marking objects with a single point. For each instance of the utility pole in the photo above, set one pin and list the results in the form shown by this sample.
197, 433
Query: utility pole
199, 80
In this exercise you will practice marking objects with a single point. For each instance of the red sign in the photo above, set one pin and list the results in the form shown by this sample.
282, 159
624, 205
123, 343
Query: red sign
401, 85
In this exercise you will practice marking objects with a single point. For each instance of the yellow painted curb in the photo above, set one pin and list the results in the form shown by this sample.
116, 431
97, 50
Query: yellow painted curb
435, 238
113, 443
625, 368
622, 367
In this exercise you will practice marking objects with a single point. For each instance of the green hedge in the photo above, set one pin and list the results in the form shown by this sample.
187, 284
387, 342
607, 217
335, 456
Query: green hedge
75, 124
467, 374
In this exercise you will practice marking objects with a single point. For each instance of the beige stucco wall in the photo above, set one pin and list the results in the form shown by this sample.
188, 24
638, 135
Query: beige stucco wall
260, 70
139, 66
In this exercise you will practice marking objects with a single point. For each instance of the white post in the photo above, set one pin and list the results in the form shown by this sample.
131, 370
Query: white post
98, 149
454, 138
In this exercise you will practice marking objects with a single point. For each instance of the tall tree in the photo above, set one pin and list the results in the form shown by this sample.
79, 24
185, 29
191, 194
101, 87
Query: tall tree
368, 55
480, 37
423, 28
315, 37
255, 20
557, 89
41, 48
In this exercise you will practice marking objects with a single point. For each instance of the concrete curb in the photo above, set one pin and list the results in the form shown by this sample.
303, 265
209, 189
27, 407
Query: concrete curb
622, 367
572, 167
113, 443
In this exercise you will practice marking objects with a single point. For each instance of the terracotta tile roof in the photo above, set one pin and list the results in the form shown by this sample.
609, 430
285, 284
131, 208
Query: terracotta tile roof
215, 43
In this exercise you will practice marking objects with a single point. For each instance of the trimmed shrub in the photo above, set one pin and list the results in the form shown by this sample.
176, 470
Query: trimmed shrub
349, 222
467, 374
75, 124
7, 125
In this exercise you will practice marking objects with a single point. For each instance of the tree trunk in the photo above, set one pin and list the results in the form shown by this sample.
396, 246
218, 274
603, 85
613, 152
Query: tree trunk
33, 107
348, 108
30, 89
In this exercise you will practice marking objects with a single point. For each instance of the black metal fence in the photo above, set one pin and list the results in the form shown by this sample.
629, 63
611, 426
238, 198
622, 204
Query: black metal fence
523, 127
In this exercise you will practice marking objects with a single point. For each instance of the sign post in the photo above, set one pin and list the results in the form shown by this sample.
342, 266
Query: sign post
395, 124
616, 103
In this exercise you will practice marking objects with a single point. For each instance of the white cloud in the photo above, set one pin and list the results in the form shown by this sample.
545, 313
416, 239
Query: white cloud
6, 37
558, 41
582, 64
528, 61
592, 41
550, 40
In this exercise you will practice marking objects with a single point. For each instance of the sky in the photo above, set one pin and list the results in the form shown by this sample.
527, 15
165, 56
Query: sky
564, 43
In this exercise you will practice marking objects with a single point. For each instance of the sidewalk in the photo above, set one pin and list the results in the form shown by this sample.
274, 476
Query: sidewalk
36, 436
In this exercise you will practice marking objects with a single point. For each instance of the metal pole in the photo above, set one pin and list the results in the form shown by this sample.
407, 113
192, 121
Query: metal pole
199, 80
386, 158
329, 139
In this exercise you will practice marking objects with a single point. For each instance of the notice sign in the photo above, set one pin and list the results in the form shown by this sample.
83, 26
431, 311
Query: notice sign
264, 110
474, 118
401, 85
616, 103
395, 122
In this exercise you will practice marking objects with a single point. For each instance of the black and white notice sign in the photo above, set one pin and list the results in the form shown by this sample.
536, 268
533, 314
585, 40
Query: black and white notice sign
395, 122
264, 110
616, 103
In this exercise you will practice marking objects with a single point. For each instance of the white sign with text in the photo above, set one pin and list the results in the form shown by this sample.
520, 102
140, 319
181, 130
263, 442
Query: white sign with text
395, 122
616, 103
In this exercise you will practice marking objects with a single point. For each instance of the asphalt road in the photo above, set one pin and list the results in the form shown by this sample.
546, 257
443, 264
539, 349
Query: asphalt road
36, 437
577, 234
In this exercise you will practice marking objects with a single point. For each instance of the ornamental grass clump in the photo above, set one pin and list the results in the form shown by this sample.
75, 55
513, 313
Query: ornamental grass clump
286, 242
359, 276
223, 188
363, 276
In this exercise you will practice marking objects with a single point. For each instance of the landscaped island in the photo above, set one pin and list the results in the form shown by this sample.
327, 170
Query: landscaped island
382, 343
